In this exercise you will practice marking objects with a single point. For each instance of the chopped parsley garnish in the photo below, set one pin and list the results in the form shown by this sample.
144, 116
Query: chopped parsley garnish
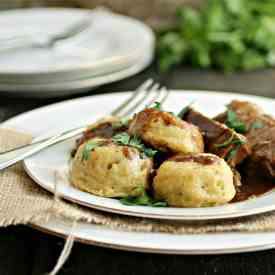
149, 152
234, 123
89, 147
226, 143
232, 153
257, 125
122, 139
230, 141
123, 122
143, 199
135, 142
157, 106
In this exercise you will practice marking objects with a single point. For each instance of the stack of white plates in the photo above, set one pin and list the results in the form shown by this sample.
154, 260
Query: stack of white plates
112, 48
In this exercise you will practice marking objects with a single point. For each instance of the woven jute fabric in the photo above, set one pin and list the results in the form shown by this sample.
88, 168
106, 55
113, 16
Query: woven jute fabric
22, 201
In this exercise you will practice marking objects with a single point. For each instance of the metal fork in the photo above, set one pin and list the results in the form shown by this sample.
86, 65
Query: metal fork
145, 95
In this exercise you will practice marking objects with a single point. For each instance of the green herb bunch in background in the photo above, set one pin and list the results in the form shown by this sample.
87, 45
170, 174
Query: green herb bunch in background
230, 35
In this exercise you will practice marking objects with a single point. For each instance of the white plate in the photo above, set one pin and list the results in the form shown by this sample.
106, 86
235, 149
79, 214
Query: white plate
84, 77
112, 41
79, 111
54, 89
199, 244
43, 166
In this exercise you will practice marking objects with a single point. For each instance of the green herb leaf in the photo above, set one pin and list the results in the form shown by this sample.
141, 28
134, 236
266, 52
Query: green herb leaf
121, 138
135, 142
232, 153
257, 125
123, 122
226, 143
171, 49
233, 122
252, 60
89, 147
160, 204
157, 106
143, 199
230, 35
230, 141
149, 152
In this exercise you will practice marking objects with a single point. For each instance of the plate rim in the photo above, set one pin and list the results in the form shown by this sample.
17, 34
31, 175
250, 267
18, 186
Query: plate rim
139, 248
53, 89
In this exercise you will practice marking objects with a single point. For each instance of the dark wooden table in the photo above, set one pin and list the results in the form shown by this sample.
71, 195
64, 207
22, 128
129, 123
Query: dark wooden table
24, 251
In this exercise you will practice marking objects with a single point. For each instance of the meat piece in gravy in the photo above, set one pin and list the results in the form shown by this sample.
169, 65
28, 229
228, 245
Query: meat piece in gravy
260, 134
219, 139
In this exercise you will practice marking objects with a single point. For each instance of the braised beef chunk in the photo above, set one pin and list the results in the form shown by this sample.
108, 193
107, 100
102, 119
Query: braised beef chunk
260, 134
248, 113
236, 179
219, 139
104, 130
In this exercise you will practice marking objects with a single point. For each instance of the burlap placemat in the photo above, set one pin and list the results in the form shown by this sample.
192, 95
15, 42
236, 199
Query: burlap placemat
22, 201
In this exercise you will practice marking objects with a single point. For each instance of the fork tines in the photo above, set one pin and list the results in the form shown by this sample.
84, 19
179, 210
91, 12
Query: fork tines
148, 93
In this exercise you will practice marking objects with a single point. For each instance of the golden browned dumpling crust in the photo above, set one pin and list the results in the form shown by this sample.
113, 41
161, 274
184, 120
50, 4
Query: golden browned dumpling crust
194, 181
166, 132
111, 170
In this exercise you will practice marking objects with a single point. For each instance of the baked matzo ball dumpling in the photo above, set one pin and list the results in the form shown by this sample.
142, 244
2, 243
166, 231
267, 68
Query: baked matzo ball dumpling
110, 170
166, 132
194, 181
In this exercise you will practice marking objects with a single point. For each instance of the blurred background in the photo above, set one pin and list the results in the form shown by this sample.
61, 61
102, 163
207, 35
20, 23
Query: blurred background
154, 12
224, 45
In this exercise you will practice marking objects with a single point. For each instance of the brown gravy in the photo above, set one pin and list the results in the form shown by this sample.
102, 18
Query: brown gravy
104, 130
253, 186
201, 159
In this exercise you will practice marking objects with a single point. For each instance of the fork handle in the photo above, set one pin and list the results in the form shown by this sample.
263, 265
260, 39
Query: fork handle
11, 157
